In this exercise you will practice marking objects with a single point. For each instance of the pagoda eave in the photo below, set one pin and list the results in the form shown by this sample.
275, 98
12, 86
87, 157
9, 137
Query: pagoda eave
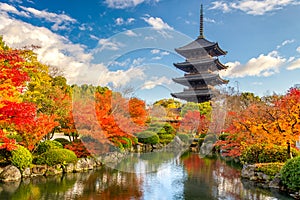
213, 49
200, 65
192, 98
200, 79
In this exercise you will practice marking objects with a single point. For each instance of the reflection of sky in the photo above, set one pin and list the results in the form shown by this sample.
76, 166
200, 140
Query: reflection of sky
167, 183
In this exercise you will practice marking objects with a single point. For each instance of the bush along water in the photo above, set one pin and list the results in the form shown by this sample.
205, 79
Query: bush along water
290, 174
56, 156
48, 145
258, 153
21, 157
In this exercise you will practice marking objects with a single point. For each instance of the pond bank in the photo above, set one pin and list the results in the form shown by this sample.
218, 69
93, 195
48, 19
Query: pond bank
260, 179
11, 173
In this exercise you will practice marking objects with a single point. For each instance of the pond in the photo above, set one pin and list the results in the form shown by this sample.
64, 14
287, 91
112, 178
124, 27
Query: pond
156, 175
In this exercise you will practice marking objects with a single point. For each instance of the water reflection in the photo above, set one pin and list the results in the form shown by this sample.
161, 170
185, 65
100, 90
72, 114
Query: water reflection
168, 177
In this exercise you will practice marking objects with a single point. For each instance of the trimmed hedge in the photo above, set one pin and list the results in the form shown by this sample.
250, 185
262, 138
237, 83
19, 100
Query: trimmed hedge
56, 156
258, 153
290, 174
148, 137
48, 145
21, 157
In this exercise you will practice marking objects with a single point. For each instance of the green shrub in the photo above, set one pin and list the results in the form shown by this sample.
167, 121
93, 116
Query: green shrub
56, 156
258, 153
148, 137
290, 174
161, 128
63, 141
270, 169
184, 137
48, 145
166, 138
21, 157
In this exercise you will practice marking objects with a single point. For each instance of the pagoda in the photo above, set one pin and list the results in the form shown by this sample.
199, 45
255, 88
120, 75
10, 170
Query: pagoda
201, 67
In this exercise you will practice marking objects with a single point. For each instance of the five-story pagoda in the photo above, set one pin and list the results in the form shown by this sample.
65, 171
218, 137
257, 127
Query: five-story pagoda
201, 67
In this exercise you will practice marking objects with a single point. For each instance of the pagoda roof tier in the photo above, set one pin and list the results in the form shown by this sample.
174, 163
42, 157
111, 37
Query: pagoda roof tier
194, 80
200, 48
198, 96
204, 65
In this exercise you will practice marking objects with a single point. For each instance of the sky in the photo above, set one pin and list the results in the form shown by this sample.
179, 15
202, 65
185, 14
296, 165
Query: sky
129, 44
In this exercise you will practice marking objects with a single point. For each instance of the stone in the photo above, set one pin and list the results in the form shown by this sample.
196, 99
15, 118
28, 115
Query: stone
91, 163
10, 173
81, 165
68, 168
276, 182
53, 170
206, 149
26, 172
248, 171
39, 170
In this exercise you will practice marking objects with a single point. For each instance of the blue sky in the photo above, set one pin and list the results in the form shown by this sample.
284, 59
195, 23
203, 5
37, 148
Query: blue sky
130, 43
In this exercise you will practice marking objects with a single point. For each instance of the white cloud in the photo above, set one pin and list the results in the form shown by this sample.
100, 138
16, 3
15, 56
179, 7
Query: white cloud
219, 5
159, 54
130, 33
157, 23
209, 20
156, 81
122, 4
263, 65
165, 53
294, 65
4, 7
155, 51
84, 27
121, 77
58, 51
253, 7
120, 21
107, 44
286, 42
61, 21
137, 61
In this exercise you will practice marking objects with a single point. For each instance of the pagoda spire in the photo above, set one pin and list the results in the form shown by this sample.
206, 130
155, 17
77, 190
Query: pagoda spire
201, 22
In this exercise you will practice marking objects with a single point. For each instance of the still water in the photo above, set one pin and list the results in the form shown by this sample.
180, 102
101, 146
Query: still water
155, 176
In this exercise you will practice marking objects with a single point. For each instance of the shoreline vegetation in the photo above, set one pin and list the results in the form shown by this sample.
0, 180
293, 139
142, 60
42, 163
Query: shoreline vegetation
36, 102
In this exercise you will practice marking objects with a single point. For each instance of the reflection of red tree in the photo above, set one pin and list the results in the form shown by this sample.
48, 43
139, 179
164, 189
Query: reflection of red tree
193, 164
113, 185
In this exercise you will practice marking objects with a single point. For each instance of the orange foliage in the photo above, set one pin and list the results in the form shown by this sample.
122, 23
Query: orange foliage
266, 124
109, 117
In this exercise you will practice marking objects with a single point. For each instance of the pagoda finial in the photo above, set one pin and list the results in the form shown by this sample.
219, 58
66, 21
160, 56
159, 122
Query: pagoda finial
201, 22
